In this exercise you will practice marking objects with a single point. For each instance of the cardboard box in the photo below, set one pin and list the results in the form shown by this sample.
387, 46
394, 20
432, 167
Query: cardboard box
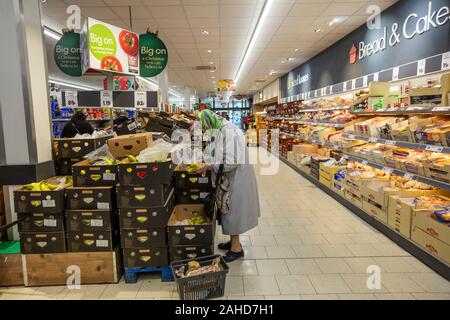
39, 201
143, 238
309, 149
438, 173
192, 196
85, 174
431, 244
42, 242
378, 192
328, 172
64, 166
140, 174
414, 168
325, 181
178, 253
131, 144
354, 199
291, 156
189, 235
94, 241
148, 257
41, 222
91, 198
337, 187
51, 268
186, 180
78, 148
399, 219
424, 220
375, 211
151, 196
134, 218
90, 220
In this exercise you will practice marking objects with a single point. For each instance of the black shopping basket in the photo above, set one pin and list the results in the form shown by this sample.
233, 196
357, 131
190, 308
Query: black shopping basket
204, 286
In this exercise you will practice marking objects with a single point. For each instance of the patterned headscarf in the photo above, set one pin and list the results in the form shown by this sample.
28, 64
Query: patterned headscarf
210, 120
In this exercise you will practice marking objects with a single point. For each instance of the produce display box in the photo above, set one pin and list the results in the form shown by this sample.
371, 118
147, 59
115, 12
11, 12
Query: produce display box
143, 258
90, 198
414, 168
329, 172
375, 210
11, 273
150, 196
190, 235
64, 165
51, 269
140, 174
425, 221
90, 220
135, 218
131, 144
41, 222
85, 174
78, 148
178, 253
353, 198
337, 187
39, 201
186, 180
42, 242
94, 241
143, 238
438, 173
431, 244
192, 196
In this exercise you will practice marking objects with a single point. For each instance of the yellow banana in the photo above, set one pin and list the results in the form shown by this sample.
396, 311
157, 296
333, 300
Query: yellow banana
131, 158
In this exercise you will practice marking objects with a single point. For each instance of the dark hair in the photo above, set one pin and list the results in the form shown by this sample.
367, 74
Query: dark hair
77, 116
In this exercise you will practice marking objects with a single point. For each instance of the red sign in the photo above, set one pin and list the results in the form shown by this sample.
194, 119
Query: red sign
353, 54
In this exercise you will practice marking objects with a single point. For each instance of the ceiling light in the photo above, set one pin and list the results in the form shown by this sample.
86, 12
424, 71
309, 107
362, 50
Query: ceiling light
262, 18
52, 34
71, 85
291, 59
211, 62
283, 61
213, 77
212, 71
318, 30
296, 49
209, 51
205, 32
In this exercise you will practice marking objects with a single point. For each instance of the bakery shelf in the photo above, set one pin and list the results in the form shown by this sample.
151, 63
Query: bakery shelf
411, 145
316, 141
397, 172
325, 109
408, 111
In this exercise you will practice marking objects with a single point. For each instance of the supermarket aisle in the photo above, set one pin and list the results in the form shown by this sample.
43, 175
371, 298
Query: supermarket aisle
307, 246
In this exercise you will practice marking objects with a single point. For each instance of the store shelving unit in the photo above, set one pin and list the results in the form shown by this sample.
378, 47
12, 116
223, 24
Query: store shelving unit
316, 141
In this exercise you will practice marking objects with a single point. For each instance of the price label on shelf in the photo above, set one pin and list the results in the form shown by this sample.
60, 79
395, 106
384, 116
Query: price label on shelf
344, 86
365, 162
331, 89
315, 93
72, 99
445, 61
353, 84
421, 67
365, 81
434, 148
140, 99
345, 156
373, 140
106, 98
351, 136
376, 76
395, 73
388, 170
409, 176
441, 109
390, 142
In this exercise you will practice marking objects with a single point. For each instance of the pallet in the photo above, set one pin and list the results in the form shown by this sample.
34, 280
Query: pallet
131, 275
55, 268
10, 264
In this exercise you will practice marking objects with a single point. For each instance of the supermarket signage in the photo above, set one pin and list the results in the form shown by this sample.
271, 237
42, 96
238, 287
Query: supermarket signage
153, 55
109, 48
411, 27
67, 54
297, 81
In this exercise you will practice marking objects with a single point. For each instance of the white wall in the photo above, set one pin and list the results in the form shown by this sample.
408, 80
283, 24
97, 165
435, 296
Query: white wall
268, 92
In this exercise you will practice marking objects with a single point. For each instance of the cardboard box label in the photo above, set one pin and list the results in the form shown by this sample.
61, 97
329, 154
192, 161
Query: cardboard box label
109, 176
50, 222
102, 243
96, 223
48, 203
103, 205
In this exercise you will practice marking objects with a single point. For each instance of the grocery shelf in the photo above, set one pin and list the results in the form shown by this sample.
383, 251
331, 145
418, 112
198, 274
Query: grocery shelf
67, 120
438, 111
397, 172
407, 244
316, 141
417, 146
312, 123
325, 109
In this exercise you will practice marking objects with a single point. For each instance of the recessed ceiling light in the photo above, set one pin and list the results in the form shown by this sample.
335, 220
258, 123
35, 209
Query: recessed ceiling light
318, 30
209, 51
283, 61
291, 59
211, 62
296, 49
212, 71
205, 32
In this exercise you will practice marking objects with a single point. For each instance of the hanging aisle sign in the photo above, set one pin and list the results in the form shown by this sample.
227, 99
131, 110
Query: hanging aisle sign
153, 55
67, 54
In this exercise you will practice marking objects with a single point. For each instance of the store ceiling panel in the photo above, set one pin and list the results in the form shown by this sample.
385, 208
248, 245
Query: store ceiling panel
190, 28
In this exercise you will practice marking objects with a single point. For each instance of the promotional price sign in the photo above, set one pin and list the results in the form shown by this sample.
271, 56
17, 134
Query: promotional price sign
106, 98
140, 99
67, 54
110, 48
153, 55
71, 99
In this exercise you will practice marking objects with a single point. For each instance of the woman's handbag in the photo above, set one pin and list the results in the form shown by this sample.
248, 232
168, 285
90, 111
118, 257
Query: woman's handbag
210, 207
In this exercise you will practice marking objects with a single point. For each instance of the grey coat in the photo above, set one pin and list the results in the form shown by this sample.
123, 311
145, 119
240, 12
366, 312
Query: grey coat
244, 209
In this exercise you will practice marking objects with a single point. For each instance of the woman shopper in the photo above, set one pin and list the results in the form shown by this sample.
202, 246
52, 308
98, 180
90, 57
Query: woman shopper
77, 125
237, 193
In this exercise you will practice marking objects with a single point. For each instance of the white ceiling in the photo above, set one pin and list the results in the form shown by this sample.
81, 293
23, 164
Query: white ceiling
290, 25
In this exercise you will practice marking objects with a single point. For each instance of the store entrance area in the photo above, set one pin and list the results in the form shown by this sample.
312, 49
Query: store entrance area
306, 246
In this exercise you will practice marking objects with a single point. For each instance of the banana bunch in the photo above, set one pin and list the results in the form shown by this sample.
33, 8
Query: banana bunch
197, 220
106, 161
193, 167
130, 158
40, 186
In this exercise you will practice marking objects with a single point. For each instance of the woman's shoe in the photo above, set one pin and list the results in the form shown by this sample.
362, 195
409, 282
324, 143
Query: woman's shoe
233, 256
225, 246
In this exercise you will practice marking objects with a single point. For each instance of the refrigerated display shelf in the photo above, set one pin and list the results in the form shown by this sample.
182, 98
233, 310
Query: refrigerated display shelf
411, 145
316, 141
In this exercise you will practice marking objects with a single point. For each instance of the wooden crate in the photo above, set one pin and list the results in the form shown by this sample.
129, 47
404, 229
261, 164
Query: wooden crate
11, 270
51, 269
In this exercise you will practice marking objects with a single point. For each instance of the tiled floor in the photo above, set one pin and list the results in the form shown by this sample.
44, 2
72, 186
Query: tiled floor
307, 246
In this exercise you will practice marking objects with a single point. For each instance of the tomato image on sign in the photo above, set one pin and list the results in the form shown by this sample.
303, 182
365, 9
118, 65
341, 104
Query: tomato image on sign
353, 54
129, 42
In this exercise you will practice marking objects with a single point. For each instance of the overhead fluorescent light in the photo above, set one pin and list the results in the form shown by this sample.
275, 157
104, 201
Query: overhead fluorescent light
318, 30
205, 32
262, 18
209, 51
71, 85
52, 34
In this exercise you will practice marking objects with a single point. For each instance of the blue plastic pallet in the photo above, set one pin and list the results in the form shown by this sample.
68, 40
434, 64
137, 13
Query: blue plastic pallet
132, 274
